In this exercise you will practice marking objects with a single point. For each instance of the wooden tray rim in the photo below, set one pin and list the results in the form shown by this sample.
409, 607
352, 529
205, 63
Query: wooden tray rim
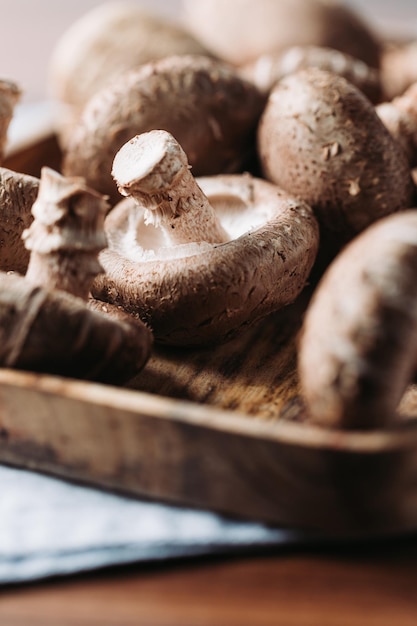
401, 436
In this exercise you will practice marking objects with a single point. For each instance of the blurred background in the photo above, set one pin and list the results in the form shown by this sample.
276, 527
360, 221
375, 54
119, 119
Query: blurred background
29, 30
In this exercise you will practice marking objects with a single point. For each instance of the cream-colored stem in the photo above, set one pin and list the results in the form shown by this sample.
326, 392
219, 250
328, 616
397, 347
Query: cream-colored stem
153, 169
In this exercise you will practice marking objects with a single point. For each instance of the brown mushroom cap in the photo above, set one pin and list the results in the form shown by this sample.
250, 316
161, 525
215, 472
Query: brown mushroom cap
200, 293
358, 345
208, 108
321, 140
54, 332
239, 31
107, 41
269, 68
9, 96
18, 192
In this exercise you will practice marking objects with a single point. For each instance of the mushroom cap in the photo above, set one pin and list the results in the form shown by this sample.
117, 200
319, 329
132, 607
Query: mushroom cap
242, 30
107, 41
18, 192
9, 96
204, 104
321, 140
269, 68
194, 294
400, 117
53, 332
358, 346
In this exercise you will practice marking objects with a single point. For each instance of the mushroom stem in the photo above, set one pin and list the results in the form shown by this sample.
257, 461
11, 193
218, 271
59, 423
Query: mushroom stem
153, 169
66, 235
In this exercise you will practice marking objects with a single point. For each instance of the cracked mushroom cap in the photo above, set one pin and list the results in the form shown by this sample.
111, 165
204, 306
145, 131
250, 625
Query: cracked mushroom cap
54, 332
321, 139
199, 293
210, 110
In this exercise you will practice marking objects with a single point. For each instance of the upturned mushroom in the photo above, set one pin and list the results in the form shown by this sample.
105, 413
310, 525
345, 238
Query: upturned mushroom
102, 44
18, 192
321, 140
271, 67
200, 260
357, 350
242, 30
46, 329
9, 96
211, 111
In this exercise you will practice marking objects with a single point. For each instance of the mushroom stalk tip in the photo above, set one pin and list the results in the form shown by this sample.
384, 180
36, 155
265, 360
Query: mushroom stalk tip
154, 170
66, 235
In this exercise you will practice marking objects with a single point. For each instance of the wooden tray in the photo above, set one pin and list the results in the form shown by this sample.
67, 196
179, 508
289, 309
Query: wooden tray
222, 429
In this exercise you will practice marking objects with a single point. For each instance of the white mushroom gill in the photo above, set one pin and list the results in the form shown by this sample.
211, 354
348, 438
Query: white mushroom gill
140, 241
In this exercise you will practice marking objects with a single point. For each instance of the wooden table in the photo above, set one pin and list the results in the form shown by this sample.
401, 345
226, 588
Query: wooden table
362, 585
372, 586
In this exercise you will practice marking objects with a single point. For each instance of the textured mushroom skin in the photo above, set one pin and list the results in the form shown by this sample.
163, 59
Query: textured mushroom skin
51, 331
209, 297
358, 346
320, 139
205, 105
18, 192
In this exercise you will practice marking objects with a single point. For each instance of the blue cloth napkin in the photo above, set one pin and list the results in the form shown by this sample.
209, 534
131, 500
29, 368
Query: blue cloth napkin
49, 527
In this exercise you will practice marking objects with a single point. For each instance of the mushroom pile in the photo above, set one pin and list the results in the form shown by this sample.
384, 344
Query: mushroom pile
52, 229
243, 158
